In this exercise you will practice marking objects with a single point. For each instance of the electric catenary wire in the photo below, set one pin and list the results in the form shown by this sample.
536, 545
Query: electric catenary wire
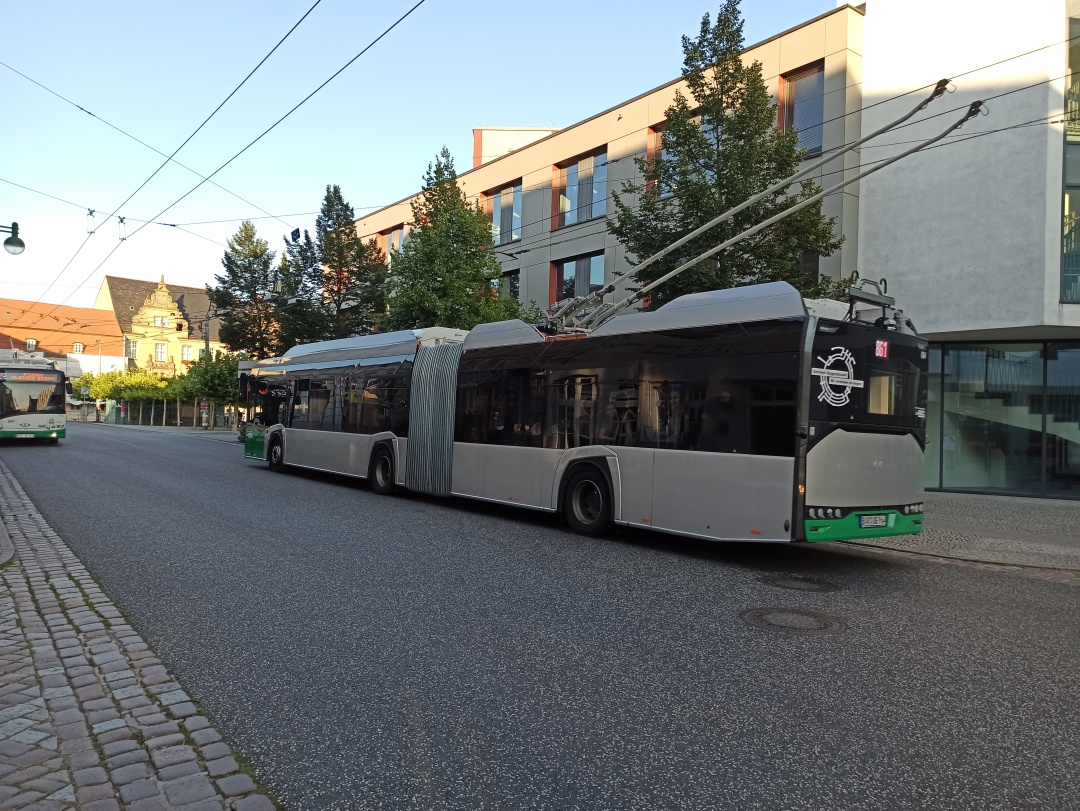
193, 134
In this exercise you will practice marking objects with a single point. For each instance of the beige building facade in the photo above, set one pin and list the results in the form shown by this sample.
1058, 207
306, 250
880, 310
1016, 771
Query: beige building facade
549, 199
164, 327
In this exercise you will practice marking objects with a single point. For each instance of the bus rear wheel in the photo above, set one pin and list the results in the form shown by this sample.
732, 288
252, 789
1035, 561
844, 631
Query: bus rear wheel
275, 455
382, 472
587, 503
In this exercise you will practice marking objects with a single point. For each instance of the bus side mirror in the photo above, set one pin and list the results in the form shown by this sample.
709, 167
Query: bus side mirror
67, 387
801, 432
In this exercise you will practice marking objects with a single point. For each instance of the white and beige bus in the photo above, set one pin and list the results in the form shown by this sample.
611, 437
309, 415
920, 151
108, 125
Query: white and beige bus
741, 414
32, 400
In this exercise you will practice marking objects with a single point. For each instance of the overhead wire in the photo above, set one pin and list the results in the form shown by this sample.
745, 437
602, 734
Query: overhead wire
547, 183
188, 139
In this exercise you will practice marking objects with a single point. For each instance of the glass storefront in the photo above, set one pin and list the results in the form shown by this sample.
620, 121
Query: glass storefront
1004, 418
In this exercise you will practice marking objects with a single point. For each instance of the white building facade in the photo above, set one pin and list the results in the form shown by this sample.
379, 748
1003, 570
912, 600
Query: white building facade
978, 237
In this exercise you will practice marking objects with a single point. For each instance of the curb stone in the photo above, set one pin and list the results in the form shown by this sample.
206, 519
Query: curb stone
83, 706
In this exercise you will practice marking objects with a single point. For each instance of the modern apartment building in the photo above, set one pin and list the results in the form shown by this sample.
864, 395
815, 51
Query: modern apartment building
979, 237
548, 193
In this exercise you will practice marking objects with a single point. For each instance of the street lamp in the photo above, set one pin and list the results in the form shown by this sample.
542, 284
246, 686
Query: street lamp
13, 244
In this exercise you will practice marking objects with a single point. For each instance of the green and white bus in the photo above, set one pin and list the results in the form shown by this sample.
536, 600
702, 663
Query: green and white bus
746, 415
32, 401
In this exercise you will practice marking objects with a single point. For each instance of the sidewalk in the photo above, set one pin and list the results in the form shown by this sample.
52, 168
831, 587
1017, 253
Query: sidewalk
1007, 530
89, 717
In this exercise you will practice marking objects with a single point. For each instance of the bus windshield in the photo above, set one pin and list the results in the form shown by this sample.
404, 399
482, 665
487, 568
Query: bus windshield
31, 392
868, 376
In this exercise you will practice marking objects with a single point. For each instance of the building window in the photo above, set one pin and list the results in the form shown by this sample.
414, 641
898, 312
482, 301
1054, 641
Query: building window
511, 284
802, 106
504, 208
78, 348
161, 352
161, 320
131, 348
577, 277
580, 190
657, 153
202, 353
1070, 249
185, 353
31, 344
392, 241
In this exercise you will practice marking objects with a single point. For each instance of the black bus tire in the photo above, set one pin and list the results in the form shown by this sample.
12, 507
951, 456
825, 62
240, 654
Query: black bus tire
382, 471
275, 454
587, 503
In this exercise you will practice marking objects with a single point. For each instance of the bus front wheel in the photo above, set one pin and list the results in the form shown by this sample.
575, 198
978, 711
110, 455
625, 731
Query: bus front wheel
275, 455
587, 503
382, 472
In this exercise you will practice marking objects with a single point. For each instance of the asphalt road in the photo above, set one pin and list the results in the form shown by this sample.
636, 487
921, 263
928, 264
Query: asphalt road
415, 653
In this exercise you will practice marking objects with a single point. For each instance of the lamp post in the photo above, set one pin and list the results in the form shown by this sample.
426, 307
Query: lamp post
97, 410
13, 244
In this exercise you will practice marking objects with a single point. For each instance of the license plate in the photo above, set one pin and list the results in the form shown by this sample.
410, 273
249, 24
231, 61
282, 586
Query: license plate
873, 520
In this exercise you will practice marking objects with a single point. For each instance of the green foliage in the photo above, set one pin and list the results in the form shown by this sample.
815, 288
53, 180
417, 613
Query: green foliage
353, 271
303, 318
332, 287
131, 384
179, 388
101, 386
214, 378
446, 272
719, 150
251, 323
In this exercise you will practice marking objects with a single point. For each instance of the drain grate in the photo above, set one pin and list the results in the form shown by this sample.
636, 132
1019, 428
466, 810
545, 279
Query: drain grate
799, 583
792, 620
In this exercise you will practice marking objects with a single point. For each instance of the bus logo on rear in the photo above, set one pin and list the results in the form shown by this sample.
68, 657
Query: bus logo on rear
837, 374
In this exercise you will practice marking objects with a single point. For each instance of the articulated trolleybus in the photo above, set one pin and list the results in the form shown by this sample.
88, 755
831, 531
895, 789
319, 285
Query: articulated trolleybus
34, 403
746, 414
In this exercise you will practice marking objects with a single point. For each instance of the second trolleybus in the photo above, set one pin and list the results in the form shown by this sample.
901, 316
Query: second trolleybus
33, 400
744, 414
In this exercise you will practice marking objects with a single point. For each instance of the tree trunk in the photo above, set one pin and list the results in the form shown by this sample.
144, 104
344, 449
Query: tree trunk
213, 411
140, 411
177, 412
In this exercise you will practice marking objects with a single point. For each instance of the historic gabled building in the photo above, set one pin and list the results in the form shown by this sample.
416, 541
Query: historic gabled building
164, 326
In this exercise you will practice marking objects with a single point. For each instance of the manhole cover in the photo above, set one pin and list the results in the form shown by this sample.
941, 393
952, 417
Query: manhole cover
799, 583
792, 620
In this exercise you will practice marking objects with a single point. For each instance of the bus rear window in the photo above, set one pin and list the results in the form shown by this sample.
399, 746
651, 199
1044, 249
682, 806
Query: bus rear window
864, 375
882, 393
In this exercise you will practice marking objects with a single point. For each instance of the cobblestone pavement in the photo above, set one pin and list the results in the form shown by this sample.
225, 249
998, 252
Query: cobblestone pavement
89, 718
1007, 530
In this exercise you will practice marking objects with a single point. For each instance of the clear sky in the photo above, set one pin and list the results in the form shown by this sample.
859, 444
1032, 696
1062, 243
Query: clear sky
156, 70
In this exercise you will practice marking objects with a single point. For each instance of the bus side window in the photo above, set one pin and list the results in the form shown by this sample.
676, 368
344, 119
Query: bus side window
318, 403
299, 405
350, 405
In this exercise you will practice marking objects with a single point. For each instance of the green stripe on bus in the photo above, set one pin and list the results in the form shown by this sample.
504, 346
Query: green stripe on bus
848, 529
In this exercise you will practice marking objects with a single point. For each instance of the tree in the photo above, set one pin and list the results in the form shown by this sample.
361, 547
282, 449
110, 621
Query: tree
447, 272
215, 379
353, 272
304, 318
245, 291
101, 386
718, 151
